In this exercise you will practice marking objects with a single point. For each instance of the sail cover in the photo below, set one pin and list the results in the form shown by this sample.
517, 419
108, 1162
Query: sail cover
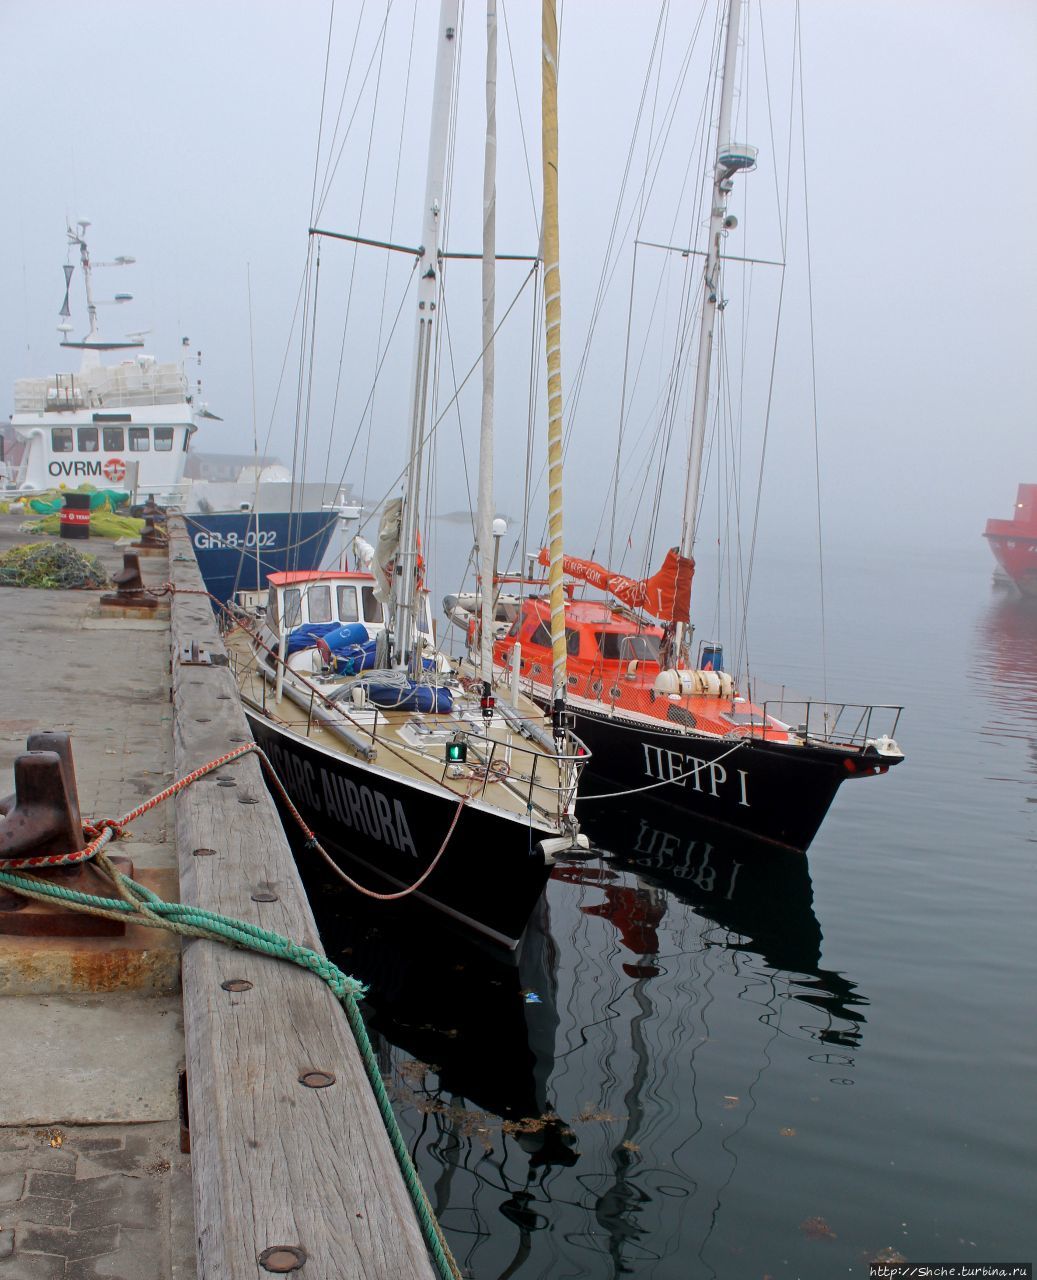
666, 595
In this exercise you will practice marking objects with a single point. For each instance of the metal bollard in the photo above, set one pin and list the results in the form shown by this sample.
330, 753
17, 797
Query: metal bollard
43, 817
131, 592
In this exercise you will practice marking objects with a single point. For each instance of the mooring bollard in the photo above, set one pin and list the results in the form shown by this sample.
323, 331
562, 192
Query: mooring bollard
153, 539
42, 818
131, 592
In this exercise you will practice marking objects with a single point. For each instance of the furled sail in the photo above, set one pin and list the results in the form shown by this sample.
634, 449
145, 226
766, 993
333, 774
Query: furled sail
387, 548
666, 595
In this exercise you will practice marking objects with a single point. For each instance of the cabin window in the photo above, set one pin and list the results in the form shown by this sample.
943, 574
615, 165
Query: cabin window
372, 605
271, 607
86, 438
347, 606
542, 637
113, 439
318, 603
616, 646
292, 608
644, 648
61, 439
163, 439
139, 440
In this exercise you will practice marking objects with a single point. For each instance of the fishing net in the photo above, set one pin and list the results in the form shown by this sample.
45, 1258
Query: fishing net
103, 524
57, 565
45, 504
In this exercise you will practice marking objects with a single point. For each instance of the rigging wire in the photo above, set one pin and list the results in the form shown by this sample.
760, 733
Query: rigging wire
813, 362
521, 124
392, 227
356, 250
333, 168
742, 650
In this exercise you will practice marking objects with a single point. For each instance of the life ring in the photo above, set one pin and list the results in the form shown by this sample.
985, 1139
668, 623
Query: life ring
114, 470
324, 649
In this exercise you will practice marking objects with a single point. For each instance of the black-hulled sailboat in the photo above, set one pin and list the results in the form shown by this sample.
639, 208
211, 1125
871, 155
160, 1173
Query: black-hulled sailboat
402, 761
662, 725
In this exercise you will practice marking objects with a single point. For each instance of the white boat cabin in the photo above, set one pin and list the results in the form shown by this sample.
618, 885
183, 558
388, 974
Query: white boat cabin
297, 599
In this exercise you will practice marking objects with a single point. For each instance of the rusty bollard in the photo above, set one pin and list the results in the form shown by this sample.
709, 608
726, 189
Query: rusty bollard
42, 817
153, 539
131, 592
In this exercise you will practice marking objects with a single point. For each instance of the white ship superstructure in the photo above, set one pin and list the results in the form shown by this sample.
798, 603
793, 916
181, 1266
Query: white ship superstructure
127, 425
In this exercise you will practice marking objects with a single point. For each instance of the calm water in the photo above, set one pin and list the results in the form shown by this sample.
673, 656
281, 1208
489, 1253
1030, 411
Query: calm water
754, 1065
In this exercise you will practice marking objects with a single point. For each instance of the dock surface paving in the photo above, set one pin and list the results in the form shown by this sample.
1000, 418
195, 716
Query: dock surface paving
92, 1180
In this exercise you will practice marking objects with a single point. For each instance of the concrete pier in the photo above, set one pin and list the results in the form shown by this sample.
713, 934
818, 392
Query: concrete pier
92, 1179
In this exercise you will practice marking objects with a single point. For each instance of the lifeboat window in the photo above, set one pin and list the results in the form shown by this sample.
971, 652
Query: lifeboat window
615, 646
292, 608
318, 604
61, 439
515, 628
163, 439
113, 439
542, 638
86, 438
372, 606
140, 440
347, 605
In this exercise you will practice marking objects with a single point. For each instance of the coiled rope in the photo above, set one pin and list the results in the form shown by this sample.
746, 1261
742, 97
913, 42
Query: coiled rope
144, 907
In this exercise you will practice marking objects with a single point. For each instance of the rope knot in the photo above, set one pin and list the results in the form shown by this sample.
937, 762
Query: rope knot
94, 829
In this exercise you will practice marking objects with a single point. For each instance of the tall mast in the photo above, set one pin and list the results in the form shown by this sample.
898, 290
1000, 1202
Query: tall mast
553, 321
428, 289
489, 254
729, 160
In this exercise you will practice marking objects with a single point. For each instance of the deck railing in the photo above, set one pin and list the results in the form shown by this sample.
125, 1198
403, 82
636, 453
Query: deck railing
843, 723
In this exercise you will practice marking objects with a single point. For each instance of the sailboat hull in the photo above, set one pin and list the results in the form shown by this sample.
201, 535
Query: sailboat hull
385, 832
776, 792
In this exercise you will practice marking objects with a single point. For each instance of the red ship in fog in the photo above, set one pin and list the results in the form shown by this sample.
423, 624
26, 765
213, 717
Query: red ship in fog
1014, 542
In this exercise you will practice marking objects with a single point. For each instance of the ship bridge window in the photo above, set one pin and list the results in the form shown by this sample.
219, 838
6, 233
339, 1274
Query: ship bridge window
616, 646
113, 439
292, 608
139, 440
86, 438
163, 439
61, 439
318, 604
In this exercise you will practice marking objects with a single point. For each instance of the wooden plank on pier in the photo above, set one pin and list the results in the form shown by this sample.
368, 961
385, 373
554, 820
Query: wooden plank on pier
274, 1163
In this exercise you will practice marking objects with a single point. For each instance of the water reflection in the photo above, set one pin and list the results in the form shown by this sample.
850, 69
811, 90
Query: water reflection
1005, 658
589, 1105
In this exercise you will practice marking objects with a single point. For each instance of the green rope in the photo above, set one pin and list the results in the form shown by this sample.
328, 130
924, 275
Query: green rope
179, 917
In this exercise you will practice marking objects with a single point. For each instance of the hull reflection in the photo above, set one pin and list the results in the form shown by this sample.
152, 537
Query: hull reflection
760, 898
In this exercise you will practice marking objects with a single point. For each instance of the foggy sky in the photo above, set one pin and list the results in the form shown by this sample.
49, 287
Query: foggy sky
187, 133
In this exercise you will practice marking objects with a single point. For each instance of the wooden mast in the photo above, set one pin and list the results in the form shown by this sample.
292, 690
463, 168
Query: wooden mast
553, 322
